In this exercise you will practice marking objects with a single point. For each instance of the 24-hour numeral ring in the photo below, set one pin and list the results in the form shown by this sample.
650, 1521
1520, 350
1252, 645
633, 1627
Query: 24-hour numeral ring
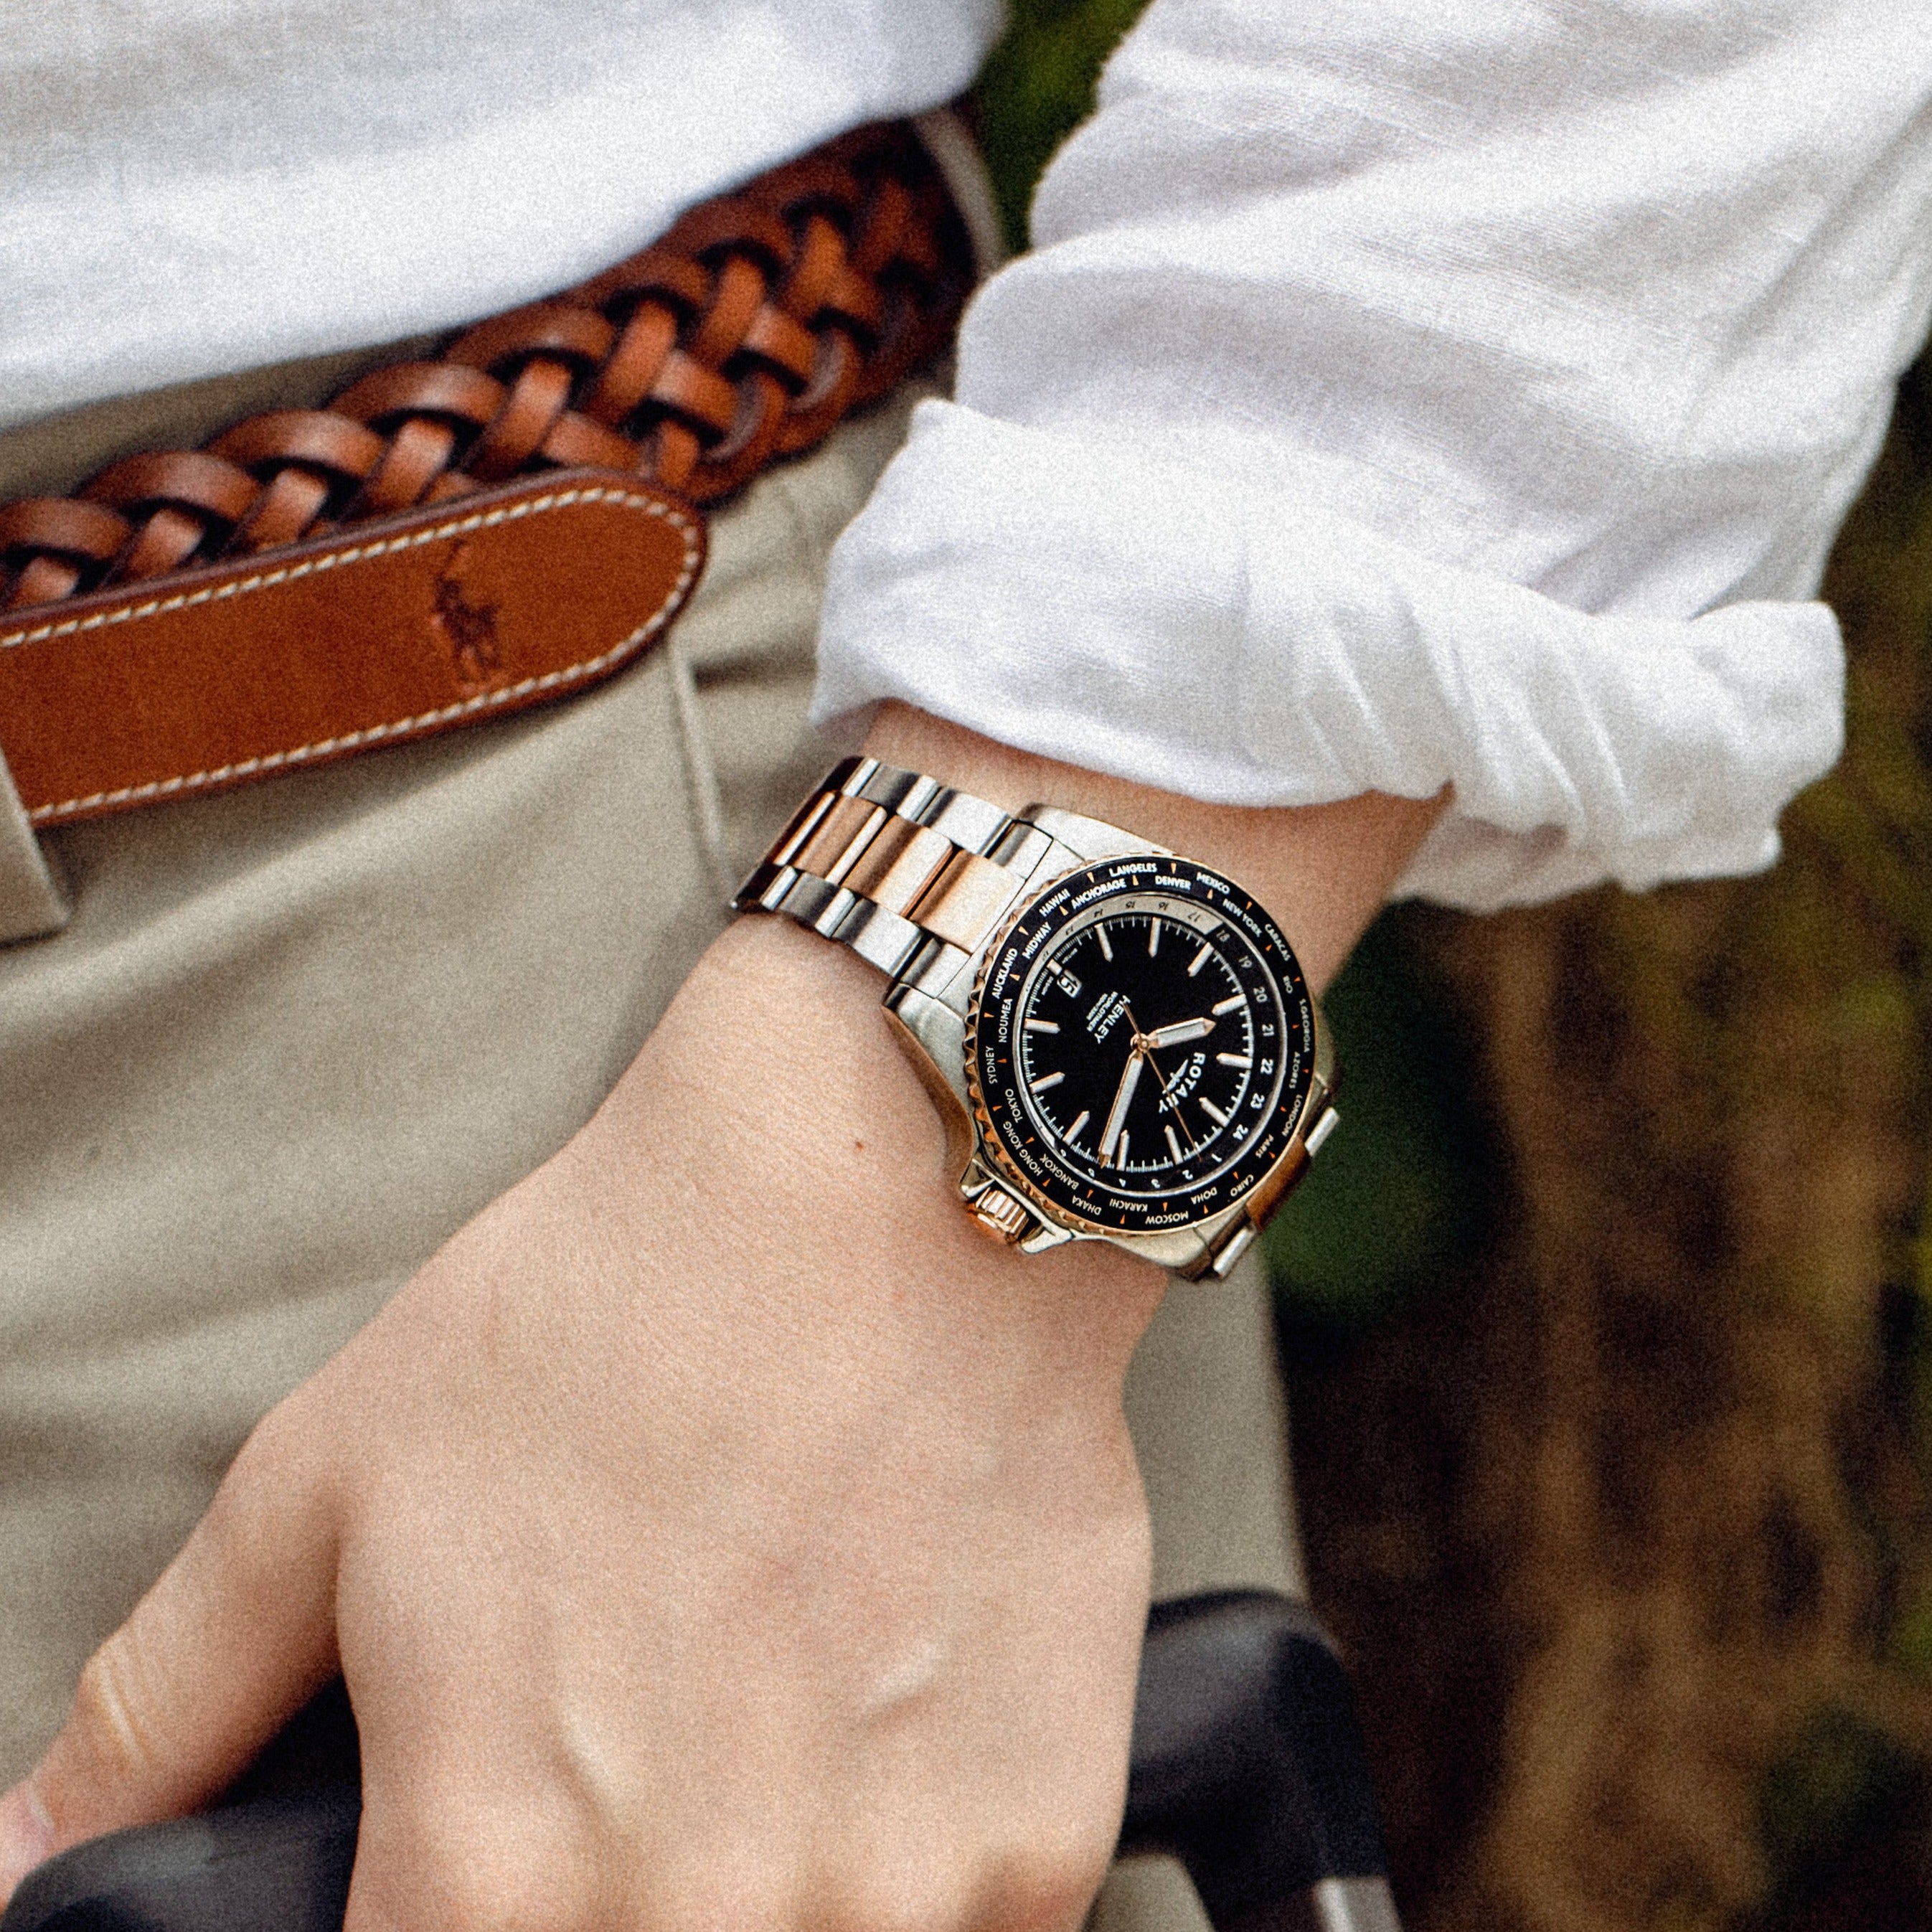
1142, 1046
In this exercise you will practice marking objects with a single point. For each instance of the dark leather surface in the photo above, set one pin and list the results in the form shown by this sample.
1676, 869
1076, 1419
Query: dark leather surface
1248, 1762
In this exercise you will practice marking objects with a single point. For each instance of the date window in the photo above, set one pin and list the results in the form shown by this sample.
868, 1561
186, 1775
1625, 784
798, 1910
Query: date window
1069, 983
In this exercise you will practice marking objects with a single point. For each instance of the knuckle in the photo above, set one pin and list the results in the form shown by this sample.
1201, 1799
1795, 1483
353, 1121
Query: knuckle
480, 1884
261, 1465
1036, 1873
723, 1886
1046, 1887
904, 1893
110, 1714
483, 1900
270, 1486
235, 1516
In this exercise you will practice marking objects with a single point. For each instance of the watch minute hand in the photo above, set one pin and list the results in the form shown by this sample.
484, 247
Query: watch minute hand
1181, 1033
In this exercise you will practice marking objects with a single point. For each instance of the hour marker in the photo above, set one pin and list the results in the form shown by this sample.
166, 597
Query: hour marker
1045, 1080
1120, 1152
1153, 938
1228, 1005
1073, 1132
1106, 944
1213, 1112
1043, 1026
1234, 1059
1173, 1145
1200, 960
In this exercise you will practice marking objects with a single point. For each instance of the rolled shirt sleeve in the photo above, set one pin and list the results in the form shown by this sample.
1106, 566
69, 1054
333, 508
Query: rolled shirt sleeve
1414, 393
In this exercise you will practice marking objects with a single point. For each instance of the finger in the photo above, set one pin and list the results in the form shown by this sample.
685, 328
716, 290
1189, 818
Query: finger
236, 1635
441, 1861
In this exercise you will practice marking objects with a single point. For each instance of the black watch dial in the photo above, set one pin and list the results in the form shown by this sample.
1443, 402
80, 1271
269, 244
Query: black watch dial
1143, 1043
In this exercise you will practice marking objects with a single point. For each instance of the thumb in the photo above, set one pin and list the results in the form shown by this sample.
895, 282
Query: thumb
235, 1636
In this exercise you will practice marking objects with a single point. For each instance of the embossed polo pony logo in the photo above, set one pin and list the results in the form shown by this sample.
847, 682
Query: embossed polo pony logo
467, 631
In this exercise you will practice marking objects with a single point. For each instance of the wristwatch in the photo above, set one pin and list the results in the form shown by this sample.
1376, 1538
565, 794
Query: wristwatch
1121, 1042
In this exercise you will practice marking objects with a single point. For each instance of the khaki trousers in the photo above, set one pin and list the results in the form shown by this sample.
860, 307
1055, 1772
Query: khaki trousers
296, 1035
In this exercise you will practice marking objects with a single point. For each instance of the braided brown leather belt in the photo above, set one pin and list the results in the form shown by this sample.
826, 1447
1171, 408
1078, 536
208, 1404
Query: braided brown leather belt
453, 539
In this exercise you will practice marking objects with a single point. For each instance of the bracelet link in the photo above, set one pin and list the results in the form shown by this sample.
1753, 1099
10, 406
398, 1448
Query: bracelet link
881, 859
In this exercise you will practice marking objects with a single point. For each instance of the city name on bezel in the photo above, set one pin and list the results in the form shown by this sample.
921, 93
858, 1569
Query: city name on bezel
1145, 1212
1211, 903
1290, 1089
1015, 1140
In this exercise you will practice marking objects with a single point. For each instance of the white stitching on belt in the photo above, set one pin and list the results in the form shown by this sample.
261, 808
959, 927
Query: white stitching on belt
356, 554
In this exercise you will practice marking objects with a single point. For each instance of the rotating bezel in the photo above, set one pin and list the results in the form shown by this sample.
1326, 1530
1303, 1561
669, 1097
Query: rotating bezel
1015, 1138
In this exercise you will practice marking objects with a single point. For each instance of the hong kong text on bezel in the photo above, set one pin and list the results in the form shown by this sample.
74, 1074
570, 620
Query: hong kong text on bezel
1242, 1153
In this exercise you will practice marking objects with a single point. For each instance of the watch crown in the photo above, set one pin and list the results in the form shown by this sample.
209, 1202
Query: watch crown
999, 1215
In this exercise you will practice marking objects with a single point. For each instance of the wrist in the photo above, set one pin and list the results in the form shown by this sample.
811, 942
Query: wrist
1021, 938
803, 1128
1322, 870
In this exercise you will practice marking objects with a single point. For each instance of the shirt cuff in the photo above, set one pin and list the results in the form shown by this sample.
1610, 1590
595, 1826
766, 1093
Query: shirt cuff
1126, 612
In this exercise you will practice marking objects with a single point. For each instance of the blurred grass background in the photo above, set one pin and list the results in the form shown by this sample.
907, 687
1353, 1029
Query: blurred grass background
1607, 1320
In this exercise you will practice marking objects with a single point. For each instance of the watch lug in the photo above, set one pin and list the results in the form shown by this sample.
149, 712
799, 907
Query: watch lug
1087, 839
933, 1038
1045, 1234
1224, 1254
930, 1030
1206, 1252
1216, 1252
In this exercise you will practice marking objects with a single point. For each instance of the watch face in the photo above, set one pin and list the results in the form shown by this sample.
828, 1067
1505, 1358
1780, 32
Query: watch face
1142, 1045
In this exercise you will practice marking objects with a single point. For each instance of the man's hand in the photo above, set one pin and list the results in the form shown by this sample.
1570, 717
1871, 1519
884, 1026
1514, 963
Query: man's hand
718, 1532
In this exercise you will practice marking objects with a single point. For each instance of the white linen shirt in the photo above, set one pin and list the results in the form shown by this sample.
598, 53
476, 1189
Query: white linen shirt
1404, 393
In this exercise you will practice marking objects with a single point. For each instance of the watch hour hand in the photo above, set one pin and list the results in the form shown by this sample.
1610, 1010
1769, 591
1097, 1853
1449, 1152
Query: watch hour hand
1117, 1118
1181, 1033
